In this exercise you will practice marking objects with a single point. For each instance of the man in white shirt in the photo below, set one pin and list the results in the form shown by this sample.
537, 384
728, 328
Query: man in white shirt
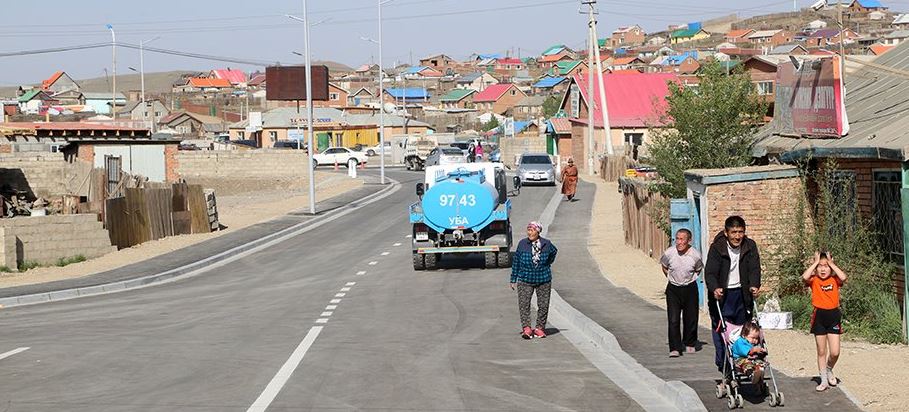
682, 265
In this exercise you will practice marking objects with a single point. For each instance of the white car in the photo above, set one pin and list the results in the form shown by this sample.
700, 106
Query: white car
445, 156
377, 149
339, 155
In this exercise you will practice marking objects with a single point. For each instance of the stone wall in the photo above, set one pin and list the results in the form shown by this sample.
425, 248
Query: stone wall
243, 171
45, 239
43, 174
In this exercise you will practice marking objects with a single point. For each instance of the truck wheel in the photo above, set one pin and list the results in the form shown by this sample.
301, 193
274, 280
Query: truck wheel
418, 262
504, 259
432, 261
408, 164
491, 260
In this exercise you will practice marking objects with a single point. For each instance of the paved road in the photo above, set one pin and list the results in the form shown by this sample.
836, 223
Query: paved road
375, 334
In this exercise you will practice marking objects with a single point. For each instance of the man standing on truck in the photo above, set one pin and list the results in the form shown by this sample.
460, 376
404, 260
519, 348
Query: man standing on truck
531, 271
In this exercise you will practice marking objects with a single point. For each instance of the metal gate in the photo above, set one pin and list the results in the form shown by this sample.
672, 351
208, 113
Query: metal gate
112, 167
685, 214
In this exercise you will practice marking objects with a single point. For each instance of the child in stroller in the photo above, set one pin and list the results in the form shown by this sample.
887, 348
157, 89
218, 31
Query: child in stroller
746, 362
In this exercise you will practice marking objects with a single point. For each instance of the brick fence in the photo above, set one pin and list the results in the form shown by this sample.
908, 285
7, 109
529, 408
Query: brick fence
45, 239
513, 146
252, 164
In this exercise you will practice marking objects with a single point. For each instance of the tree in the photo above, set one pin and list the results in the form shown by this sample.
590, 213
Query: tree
551, 106
707, 127
491, 124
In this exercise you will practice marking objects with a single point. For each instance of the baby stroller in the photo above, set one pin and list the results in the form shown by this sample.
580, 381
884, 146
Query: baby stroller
734, 377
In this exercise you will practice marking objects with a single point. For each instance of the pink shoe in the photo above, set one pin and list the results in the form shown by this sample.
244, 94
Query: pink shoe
527, 333
538, 332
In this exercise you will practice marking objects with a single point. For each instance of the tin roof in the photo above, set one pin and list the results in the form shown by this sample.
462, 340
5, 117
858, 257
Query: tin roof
634, 99
457, 95
548, 82
234, 76
492, 93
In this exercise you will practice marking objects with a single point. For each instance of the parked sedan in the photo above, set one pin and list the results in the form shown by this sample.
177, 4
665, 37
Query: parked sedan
338, 155
536, 168
377, 149
445, 156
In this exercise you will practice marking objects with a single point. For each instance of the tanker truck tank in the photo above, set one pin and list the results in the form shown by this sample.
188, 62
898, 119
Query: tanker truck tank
464, 208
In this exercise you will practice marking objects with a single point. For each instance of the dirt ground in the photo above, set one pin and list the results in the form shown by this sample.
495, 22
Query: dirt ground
871, 373
245, 203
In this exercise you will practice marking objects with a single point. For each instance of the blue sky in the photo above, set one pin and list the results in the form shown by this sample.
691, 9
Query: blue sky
259, 31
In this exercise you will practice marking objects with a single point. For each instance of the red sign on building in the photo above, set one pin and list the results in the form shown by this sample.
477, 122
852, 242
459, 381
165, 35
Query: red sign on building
809, 99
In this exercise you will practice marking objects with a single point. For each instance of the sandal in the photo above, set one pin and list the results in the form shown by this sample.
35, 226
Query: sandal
832, 380
822, 387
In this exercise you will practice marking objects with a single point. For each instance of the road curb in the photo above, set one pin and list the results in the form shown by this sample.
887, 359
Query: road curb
639, 382
202, 265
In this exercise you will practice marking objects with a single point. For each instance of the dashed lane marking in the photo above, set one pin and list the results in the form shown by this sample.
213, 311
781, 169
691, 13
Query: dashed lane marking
350, 283
335, 301
326, 313
345, 289
373, 263
361, 273
13, 352
397, 244
280, 379
322, 320
331, 307
386, 253
340, 295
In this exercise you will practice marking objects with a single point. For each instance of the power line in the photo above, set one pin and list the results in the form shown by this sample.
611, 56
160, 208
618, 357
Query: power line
200, 56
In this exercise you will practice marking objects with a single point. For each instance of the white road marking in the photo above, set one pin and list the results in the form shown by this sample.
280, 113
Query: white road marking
13, 352
361, 273
335, 301
322, 320
326, 313
409, 236
345, 289
386, 253
350, 283
274, 387
373, 263
331, 307
340, 295
397, 244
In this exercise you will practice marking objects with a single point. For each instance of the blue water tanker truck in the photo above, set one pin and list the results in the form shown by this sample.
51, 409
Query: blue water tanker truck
463, 208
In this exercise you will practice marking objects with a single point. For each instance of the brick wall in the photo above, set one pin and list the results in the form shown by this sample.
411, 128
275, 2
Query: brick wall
262, 163
513, 146
764, 205
171, 164
864, 173
41, 173
45, 239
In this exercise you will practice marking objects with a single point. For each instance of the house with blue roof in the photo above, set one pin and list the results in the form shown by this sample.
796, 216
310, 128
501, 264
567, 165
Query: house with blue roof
694, 31
421, 72
408, 95
866, 6
551, 85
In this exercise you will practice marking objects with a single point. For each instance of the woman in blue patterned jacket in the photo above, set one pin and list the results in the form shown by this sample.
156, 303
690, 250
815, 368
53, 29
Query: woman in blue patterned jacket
531, 271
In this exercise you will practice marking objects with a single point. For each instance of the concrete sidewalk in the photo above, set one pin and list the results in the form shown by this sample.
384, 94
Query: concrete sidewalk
640, 327
190, 255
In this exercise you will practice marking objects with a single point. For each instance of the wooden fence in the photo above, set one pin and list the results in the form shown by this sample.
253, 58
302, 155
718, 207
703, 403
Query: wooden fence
614, 167
639, 207
157, 211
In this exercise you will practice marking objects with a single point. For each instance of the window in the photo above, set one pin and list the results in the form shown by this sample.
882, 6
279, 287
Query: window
241, 135
575, 101
765, 88
333, 96
273, 135
887, 215
841, 187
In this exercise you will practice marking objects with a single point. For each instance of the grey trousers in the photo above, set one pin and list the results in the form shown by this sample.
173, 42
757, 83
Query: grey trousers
525, 292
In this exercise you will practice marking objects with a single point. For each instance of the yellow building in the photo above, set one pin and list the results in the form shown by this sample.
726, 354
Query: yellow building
687, 35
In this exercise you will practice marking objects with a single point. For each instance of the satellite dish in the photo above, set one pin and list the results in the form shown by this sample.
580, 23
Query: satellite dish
388, 107
820, 4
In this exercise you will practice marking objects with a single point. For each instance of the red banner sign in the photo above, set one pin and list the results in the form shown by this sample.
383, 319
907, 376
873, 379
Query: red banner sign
809, 99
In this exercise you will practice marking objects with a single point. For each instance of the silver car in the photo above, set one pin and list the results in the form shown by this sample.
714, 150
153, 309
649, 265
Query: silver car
445, 156
536, 168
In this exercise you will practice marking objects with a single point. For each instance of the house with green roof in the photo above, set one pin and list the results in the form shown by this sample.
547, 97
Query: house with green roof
458, 99
568, 69
555, 54
31, 101
693, 32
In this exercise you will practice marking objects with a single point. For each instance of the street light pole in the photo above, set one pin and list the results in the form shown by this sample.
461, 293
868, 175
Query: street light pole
113, 93
381, 101
142, 77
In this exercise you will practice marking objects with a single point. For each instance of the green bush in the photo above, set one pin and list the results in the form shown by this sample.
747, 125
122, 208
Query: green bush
834, 224
28, 264
70, 260
5, 269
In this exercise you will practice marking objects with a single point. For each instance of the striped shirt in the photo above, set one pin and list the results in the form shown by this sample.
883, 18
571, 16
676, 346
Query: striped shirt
523, 268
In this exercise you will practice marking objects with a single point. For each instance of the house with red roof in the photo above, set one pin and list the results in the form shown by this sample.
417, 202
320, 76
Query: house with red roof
739, 36
236, 77
203, 84
509, 65
498, 98
635, 102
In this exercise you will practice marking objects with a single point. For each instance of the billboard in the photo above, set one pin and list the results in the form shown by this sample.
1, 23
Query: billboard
289, 83
810, 99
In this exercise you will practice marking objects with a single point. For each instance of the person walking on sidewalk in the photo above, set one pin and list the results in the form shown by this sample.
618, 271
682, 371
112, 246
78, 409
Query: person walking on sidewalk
733, 276
531, 272
570, 179
682, 264
825, 279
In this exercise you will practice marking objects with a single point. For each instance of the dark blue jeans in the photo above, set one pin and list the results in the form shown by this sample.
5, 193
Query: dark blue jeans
733, 305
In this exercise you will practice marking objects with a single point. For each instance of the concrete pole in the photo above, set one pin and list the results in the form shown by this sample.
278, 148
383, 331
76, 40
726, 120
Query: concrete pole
113, 93
309, 125
590, 100
602, 88
381, 103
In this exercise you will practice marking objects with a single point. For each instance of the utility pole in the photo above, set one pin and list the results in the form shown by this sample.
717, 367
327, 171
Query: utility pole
590, 102
839, 11
604, 110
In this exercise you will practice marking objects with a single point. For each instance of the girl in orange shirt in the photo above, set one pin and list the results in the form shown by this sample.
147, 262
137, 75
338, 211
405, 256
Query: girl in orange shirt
826, 319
